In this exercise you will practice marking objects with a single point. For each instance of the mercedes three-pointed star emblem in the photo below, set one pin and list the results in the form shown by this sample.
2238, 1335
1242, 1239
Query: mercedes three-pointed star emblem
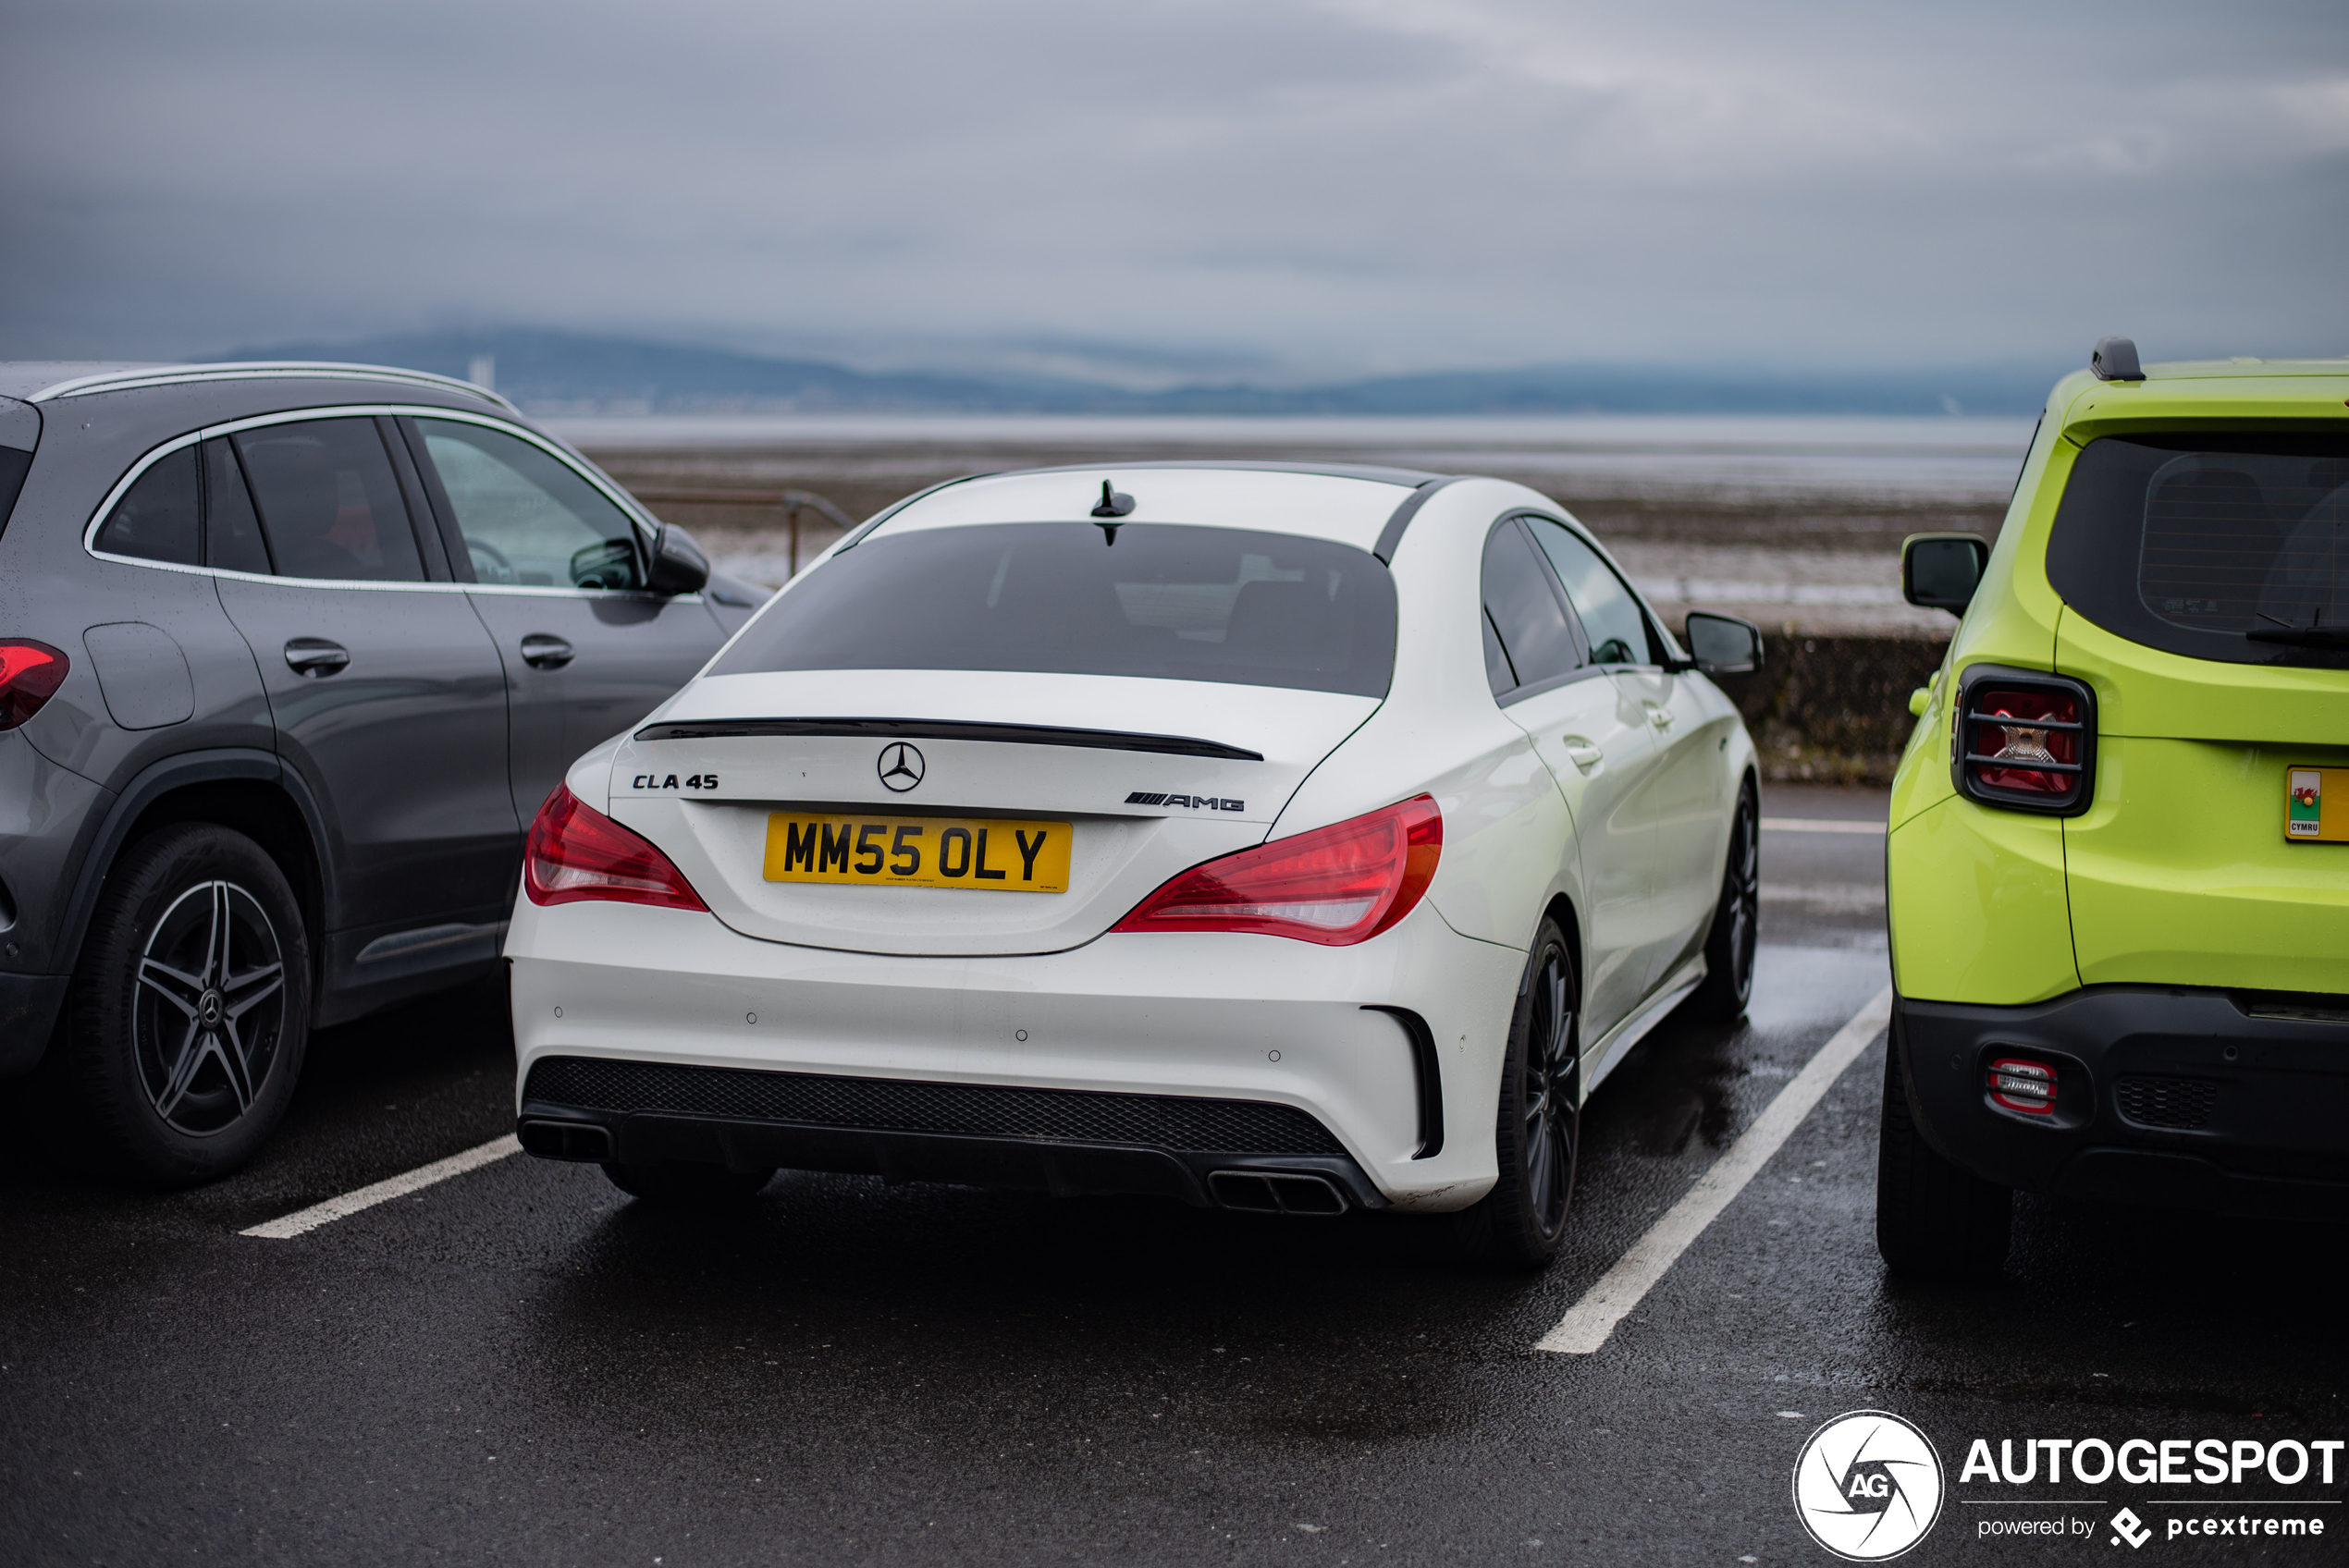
900, 766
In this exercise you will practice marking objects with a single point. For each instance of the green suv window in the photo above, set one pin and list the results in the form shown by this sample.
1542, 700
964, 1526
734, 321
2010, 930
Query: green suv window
2232, 547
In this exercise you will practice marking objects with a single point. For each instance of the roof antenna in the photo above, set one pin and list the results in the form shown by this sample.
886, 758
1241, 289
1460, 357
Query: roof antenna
1114, 503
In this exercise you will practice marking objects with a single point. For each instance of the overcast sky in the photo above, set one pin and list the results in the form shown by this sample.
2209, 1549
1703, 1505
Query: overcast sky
1274, 187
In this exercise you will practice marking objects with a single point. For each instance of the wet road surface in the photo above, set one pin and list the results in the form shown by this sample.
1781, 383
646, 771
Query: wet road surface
519, 1366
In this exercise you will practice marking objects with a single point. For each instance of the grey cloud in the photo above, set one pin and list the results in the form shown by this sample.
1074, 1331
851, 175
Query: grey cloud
1363, 184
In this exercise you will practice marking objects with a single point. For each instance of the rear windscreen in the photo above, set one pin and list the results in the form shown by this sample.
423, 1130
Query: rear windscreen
1150, 599
2217, 546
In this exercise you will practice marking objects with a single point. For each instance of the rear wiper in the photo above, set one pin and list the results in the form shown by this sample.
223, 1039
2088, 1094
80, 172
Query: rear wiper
2302, 636
2312, 635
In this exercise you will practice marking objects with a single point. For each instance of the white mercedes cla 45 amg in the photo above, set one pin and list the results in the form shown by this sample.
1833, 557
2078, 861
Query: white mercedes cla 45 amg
1273, 838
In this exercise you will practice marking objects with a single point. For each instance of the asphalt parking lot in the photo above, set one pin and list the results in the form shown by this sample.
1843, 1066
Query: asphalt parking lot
516, 1365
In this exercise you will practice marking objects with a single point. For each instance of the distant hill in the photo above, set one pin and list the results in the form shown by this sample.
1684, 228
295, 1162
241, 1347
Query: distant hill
576, 373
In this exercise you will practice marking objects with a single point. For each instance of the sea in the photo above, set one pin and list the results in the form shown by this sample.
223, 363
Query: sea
1957, 457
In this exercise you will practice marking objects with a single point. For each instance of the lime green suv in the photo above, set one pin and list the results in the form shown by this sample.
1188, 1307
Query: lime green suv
2118, 863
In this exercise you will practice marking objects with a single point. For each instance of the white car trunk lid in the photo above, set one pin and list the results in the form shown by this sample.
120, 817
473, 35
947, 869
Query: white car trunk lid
1153, 777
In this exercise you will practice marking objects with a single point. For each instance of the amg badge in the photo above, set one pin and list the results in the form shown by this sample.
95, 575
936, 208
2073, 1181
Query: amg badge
1203, 803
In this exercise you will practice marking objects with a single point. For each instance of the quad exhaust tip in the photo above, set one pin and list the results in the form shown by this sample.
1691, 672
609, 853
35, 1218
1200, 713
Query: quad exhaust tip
1277, 1192
566, 1140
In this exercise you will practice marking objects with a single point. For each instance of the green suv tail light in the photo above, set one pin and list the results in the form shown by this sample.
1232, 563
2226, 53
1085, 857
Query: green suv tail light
2024, 741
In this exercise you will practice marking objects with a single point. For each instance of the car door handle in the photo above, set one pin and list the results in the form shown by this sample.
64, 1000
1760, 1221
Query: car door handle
1659, 717
315, 657
542, 651
1581, 753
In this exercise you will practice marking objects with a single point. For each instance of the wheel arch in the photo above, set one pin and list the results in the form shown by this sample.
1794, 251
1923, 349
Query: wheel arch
249, 792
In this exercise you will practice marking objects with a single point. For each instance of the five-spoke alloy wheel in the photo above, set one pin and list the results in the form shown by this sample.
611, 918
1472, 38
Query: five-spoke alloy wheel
191, 1007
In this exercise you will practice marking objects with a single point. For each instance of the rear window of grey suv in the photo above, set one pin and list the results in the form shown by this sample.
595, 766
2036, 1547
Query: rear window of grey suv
2232, 547
1146, 599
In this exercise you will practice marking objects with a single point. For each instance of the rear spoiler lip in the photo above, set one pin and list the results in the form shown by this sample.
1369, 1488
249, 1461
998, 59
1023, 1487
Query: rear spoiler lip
945, 730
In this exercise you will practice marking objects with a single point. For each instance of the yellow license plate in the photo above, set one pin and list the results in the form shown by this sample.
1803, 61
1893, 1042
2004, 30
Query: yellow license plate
2316, 807
993, 854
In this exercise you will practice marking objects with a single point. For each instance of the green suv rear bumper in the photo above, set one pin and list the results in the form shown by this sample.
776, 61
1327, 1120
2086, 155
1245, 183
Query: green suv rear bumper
2182, 1097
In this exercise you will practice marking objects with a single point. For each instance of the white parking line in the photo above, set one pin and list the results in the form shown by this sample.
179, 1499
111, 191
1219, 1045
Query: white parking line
384, 1191
1585, 1328
1819, 824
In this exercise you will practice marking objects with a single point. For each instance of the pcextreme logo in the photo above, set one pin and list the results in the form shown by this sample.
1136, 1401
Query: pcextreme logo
1868, 1485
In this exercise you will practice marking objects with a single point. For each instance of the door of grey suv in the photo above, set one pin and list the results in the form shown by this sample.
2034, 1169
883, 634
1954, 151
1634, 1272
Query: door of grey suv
558, 572
389, 695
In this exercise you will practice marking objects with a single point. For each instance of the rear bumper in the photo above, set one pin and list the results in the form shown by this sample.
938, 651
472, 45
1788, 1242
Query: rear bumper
1069, 1143
2180, 1097
1083, 1071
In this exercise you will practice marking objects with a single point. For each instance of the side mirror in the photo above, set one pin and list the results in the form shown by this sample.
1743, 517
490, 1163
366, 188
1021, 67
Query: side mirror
1722, 645
679, 566
1940, 571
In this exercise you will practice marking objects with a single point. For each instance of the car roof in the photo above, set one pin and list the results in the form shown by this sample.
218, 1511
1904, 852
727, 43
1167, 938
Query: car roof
1350, 504
2088, 406
41, 380
22, 378
2183, 370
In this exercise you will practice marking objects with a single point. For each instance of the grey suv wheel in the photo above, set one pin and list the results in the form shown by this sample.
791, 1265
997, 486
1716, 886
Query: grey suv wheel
191, 1008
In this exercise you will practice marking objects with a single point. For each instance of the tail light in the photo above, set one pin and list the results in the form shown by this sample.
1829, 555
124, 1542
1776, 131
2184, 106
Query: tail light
1336, 885
2019, 1083
2024, 741
29, 675
577, 853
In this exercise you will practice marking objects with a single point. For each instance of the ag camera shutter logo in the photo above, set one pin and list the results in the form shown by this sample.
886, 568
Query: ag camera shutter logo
1868, 1485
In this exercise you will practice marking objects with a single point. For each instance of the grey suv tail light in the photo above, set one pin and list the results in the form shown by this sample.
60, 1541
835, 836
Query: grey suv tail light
30, 673
2024, 741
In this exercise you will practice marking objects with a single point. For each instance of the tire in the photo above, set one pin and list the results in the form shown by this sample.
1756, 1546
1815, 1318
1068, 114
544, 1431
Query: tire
1736, 921
1537, 1132
1934, 1219
684, 1185
189, 1011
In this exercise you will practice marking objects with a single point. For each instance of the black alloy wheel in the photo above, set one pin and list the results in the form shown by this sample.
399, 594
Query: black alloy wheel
189, 1009
1537, 1135
1737, 920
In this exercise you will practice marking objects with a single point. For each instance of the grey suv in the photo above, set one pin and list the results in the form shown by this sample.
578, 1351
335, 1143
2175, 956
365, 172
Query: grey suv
289, 656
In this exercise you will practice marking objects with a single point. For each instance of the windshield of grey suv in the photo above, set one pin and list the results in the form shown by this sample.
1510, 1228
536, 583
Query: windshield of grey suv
1147, 599
2231, 546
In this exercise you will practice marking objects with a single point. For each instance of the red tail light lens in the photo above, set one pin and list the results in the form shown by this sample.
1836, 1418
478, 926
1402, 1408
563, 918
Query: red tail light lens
2025, 741
2021, 1085
29, 675
577, 853
1335, 886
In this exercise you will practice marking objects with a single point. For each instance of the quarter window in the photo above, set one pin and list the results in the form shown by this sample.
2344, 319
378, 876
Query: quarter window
527, 519
1611, 617
158, 520
232, 531
329, 505
1524, 623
